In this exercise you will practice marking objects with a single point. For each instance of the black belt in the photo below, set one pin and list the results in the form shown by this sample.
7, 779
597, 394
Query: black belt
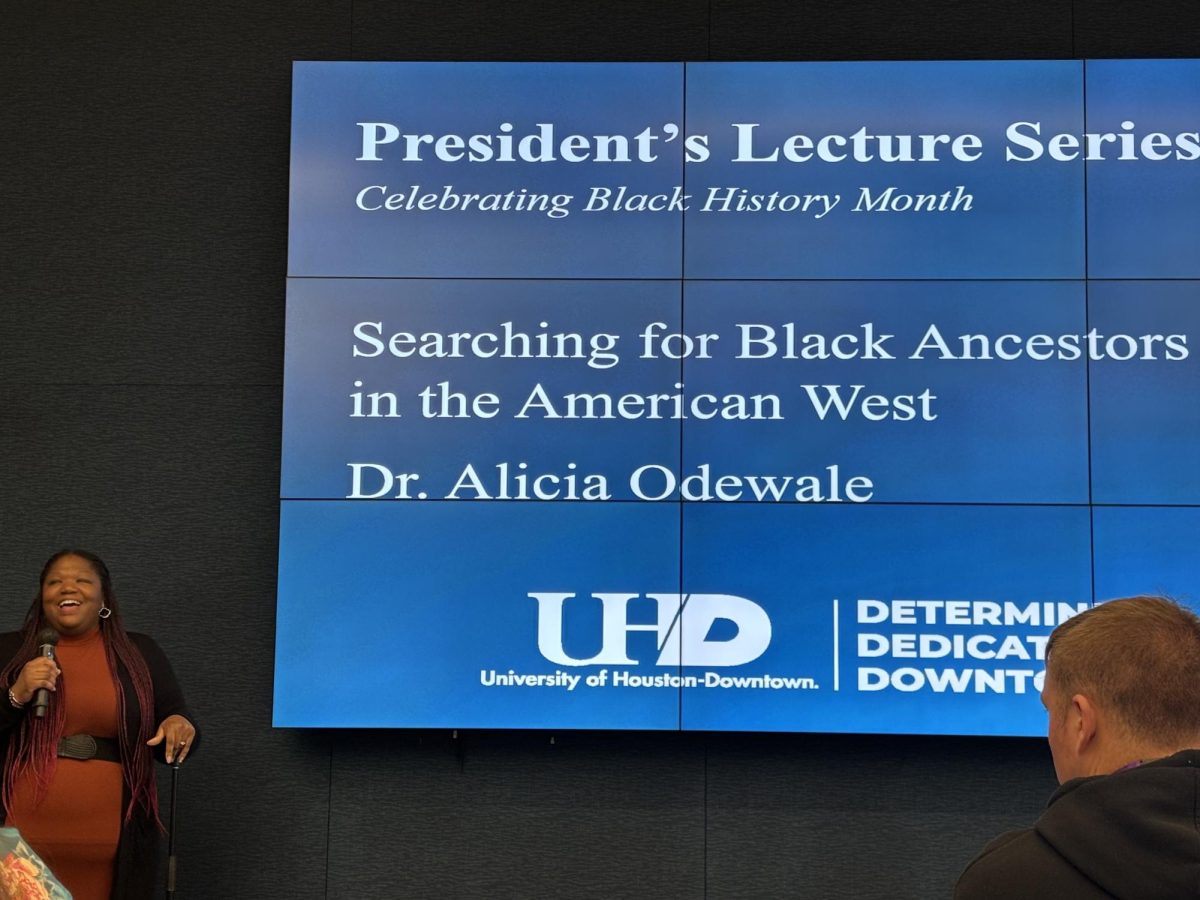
84, 746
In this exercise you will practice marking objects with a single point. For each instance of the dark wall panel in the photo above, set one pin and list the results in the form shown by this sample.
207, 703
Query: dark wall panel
629, 30
846, 817
1113, 28
935, 29
517, 815
143, 186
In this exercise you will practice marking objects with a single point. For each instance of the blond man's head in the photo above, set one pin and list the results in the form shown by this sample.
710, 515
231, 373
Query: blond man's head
1138, 661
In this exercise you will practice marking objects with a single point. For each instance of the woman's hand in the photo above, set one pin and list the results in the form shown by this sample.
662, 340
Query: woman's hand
177, 733
39, 672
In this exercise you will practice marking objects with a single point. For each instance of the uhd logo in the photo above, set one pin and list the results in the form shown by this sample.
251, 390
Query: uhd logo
693, 614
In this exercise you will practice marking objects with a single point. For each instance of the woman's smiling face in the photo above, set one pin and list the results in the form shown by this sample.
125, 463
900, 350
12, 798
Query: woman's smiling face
72, 596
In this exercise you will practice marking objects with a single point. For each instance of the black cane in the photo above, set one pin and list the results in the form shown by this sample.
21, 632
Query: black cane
171, 833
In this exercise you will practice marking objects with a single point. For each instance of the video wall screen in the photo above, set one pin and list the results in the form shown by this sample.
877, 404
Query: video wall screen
763, 397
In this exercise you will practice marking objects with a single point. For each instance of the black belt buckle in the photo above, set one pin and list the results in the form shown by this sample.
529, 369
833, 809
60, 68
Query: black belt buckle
84, 746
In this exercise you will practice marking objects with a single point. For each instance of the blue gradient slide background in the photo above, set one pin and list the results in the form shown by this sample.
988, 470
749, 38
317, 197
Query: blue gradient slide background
1061, 481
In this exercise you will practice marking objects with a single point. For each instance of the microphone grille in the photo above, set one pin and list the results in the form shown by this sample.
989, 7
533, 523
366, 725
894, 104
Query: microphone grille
47, 636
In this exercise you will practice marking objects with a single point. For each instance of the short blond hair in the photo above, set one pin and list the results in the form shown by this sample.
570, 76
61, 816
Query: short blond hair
1137, 657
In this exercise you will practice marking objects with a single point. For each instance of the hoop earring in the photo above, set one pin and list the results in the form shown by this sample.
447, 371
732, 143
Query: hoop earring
105, 612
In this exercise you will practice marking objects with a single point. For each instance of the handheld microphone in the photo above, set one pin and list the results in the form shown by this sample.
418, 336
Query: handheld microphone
47, 640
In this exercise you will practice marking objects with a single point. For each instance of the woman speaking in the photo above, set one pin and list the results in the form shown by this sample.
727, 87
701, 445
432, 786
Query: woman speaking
89, 705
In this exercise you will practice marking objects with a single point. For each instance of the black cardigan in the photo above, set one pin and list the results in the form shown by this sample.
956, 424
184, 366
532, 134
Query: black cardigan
135, 877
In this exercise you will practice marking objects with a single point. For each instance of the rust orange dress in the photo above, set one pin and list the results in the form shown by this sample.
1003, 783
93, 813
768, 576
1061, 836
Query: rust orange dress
76, 826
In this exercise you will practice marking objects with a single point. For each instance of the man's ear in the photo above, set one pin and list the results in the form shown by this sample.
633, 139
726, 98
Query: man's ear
1083, 720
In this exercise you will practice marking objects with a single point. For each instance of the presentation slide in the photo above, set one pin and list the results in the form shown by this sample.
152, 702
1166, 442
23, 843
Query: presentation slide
730, 397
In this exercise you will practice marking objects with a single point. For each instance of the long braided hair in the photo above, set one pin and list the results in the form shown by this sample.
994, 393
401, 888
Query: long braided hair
33, 749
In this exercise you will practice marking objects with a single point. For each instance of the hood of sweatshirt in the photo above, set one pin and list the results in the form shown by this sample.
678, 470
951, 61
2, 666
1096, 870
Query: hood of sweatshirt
1135, 833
